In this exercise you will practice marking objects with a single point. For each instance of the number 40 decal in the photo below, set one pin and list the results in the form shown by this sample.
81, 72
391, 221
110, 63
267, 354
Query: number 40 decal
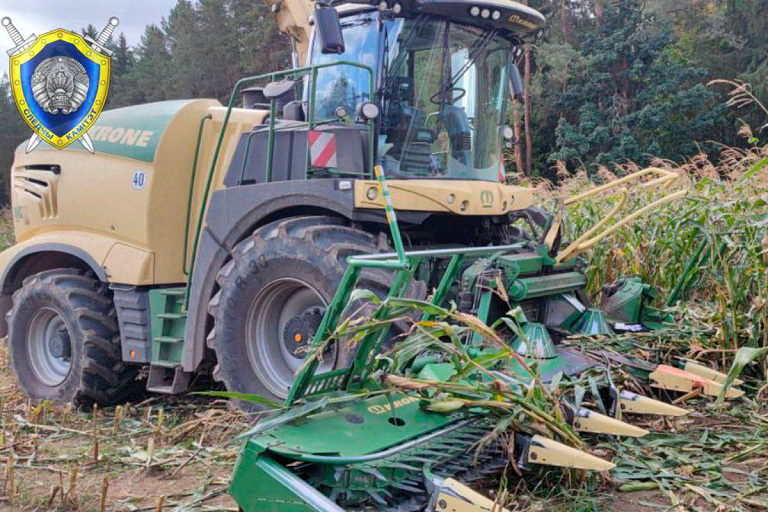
139, 180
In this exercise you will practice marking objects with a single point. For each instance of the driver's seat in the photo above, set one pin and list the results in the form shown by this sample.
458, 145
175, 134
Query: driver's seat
459, 131
417, 152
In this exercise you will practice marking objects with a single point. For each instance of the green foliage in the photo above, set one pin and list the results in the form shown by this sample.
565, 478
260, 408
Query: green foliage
248, 397
7, 237
626, 80
633, 96
200, 50
13, 131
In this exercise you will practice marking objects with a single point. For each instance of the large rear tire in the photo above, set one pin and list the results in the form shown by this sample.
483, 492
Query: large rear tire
64, 340
272, 296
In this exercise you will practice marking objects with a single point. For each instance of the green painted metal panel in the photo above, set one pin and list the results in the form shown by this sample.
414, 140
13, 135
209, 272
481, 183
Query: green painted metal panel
261, 484
568, 362
130, 132
523, 263
537, 344
592, 322
167, 324
534, 287
363, 427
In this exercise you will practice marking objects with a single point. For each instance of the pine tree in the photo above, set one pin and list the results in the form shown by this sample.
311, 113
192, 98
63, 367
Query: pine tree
123, 59
634, 98
123, 62
13, 131
150, 78
262, 48
90, 31
188, 58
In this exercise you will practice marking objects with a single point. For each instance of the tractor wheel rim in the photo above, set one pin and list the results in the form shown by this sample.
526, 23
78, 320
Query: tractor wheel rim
272, 309
49, 347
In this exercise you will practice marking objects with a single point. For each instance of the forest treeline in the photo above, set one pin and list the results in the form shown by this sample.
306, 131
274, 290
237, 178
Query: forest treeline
611, 80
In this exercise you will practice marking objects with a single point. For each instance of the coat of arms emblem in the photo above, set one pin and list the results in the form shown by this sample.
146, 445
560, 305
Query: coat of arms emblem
59, 83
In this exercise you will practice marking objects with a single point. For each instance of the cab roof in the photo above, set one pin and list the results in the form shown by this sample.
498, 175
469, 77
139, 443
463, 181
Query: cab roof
503, 15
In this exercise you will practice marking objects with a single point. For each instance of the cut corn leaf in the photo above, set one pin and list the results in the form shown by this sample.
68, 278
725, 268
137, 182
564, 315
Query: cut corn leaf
743, 357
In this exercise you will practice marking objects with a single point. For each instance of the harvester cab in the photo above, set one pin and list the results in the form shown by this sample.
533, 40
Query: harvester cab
348, 247
435, 76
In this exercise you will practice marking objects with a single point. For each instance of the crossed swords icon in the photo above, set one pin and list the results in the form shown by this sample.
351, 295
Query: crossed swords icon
98, 45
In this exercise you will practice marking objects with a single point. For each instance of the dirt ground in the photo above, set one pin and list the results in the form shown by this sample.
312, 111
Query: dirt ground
161, 453
155, 453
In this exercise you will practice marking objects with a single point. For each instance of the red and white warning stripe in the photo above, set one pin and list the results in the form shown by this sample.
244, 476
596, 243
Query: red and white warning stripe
322, 149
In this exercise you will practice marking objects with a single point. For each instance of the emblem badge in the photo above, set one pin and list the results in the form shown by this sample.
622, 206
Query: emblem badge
59, 83
486, 198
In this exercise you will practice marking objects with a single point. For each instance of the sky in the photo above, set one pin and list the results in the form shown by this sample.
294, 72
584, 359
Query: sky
40, 16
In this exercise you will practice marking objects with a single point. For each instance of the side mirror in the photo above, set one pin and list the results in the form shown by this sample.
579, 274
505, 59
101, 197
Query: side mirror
516, 87
328, 28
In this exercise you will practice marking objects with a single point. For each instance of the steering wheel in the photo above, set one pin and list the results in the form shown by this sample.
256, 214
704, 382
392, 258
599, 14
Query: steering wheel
436, 98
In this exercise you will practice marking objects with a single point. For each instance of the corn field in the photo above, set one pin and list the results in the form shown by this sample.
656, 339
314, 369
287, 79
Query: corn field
718, 231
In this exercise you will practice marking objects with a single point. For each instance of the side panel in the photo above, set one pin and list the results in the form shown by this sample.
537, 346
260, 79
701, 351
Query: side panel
132, 190
132, 306
141, 187
210, 258
94, 250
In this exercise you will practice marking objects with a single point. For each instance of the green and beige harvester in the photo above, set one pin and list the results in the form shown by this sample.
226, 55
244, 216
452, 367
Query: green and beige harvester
204, 239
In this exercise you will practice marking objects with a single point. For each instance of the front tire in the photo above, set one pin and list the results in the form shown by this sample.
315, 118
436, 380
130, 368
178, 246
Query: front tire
273, 294
64, 340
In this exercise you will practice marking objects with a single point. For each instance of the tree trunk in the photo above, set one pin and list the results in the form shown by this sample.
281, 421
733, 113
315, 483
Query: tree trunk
527, 102
518, 134
564, 20
598, 8
566, 32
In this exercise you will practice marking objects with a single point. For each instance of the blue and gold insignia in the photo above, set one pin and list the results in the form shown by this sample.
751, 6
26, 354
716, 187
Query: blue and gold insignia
59, 83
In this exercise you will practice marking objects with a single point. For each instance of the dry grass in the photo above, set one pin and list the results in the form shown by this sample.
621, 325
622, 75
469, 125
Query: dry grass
176, 451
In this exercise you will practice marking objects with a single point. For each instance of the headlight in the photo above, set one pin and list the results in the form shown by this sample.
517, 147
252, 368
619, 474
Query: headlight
367, 110
340, 112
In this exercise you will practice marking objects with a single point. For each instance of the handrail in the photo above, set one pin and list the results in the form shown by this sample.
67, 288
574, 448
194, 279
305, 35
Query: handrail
205, 118
590, 239
235, 91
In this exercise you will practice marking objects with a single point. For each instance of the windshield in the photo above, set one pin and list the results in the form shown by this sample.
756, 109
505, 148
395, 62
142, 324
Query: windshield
444, 97
442, 88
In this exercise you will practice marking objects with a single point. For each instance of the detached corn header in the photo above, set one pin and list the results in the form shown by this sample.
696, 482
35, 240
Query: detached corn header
378, 436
